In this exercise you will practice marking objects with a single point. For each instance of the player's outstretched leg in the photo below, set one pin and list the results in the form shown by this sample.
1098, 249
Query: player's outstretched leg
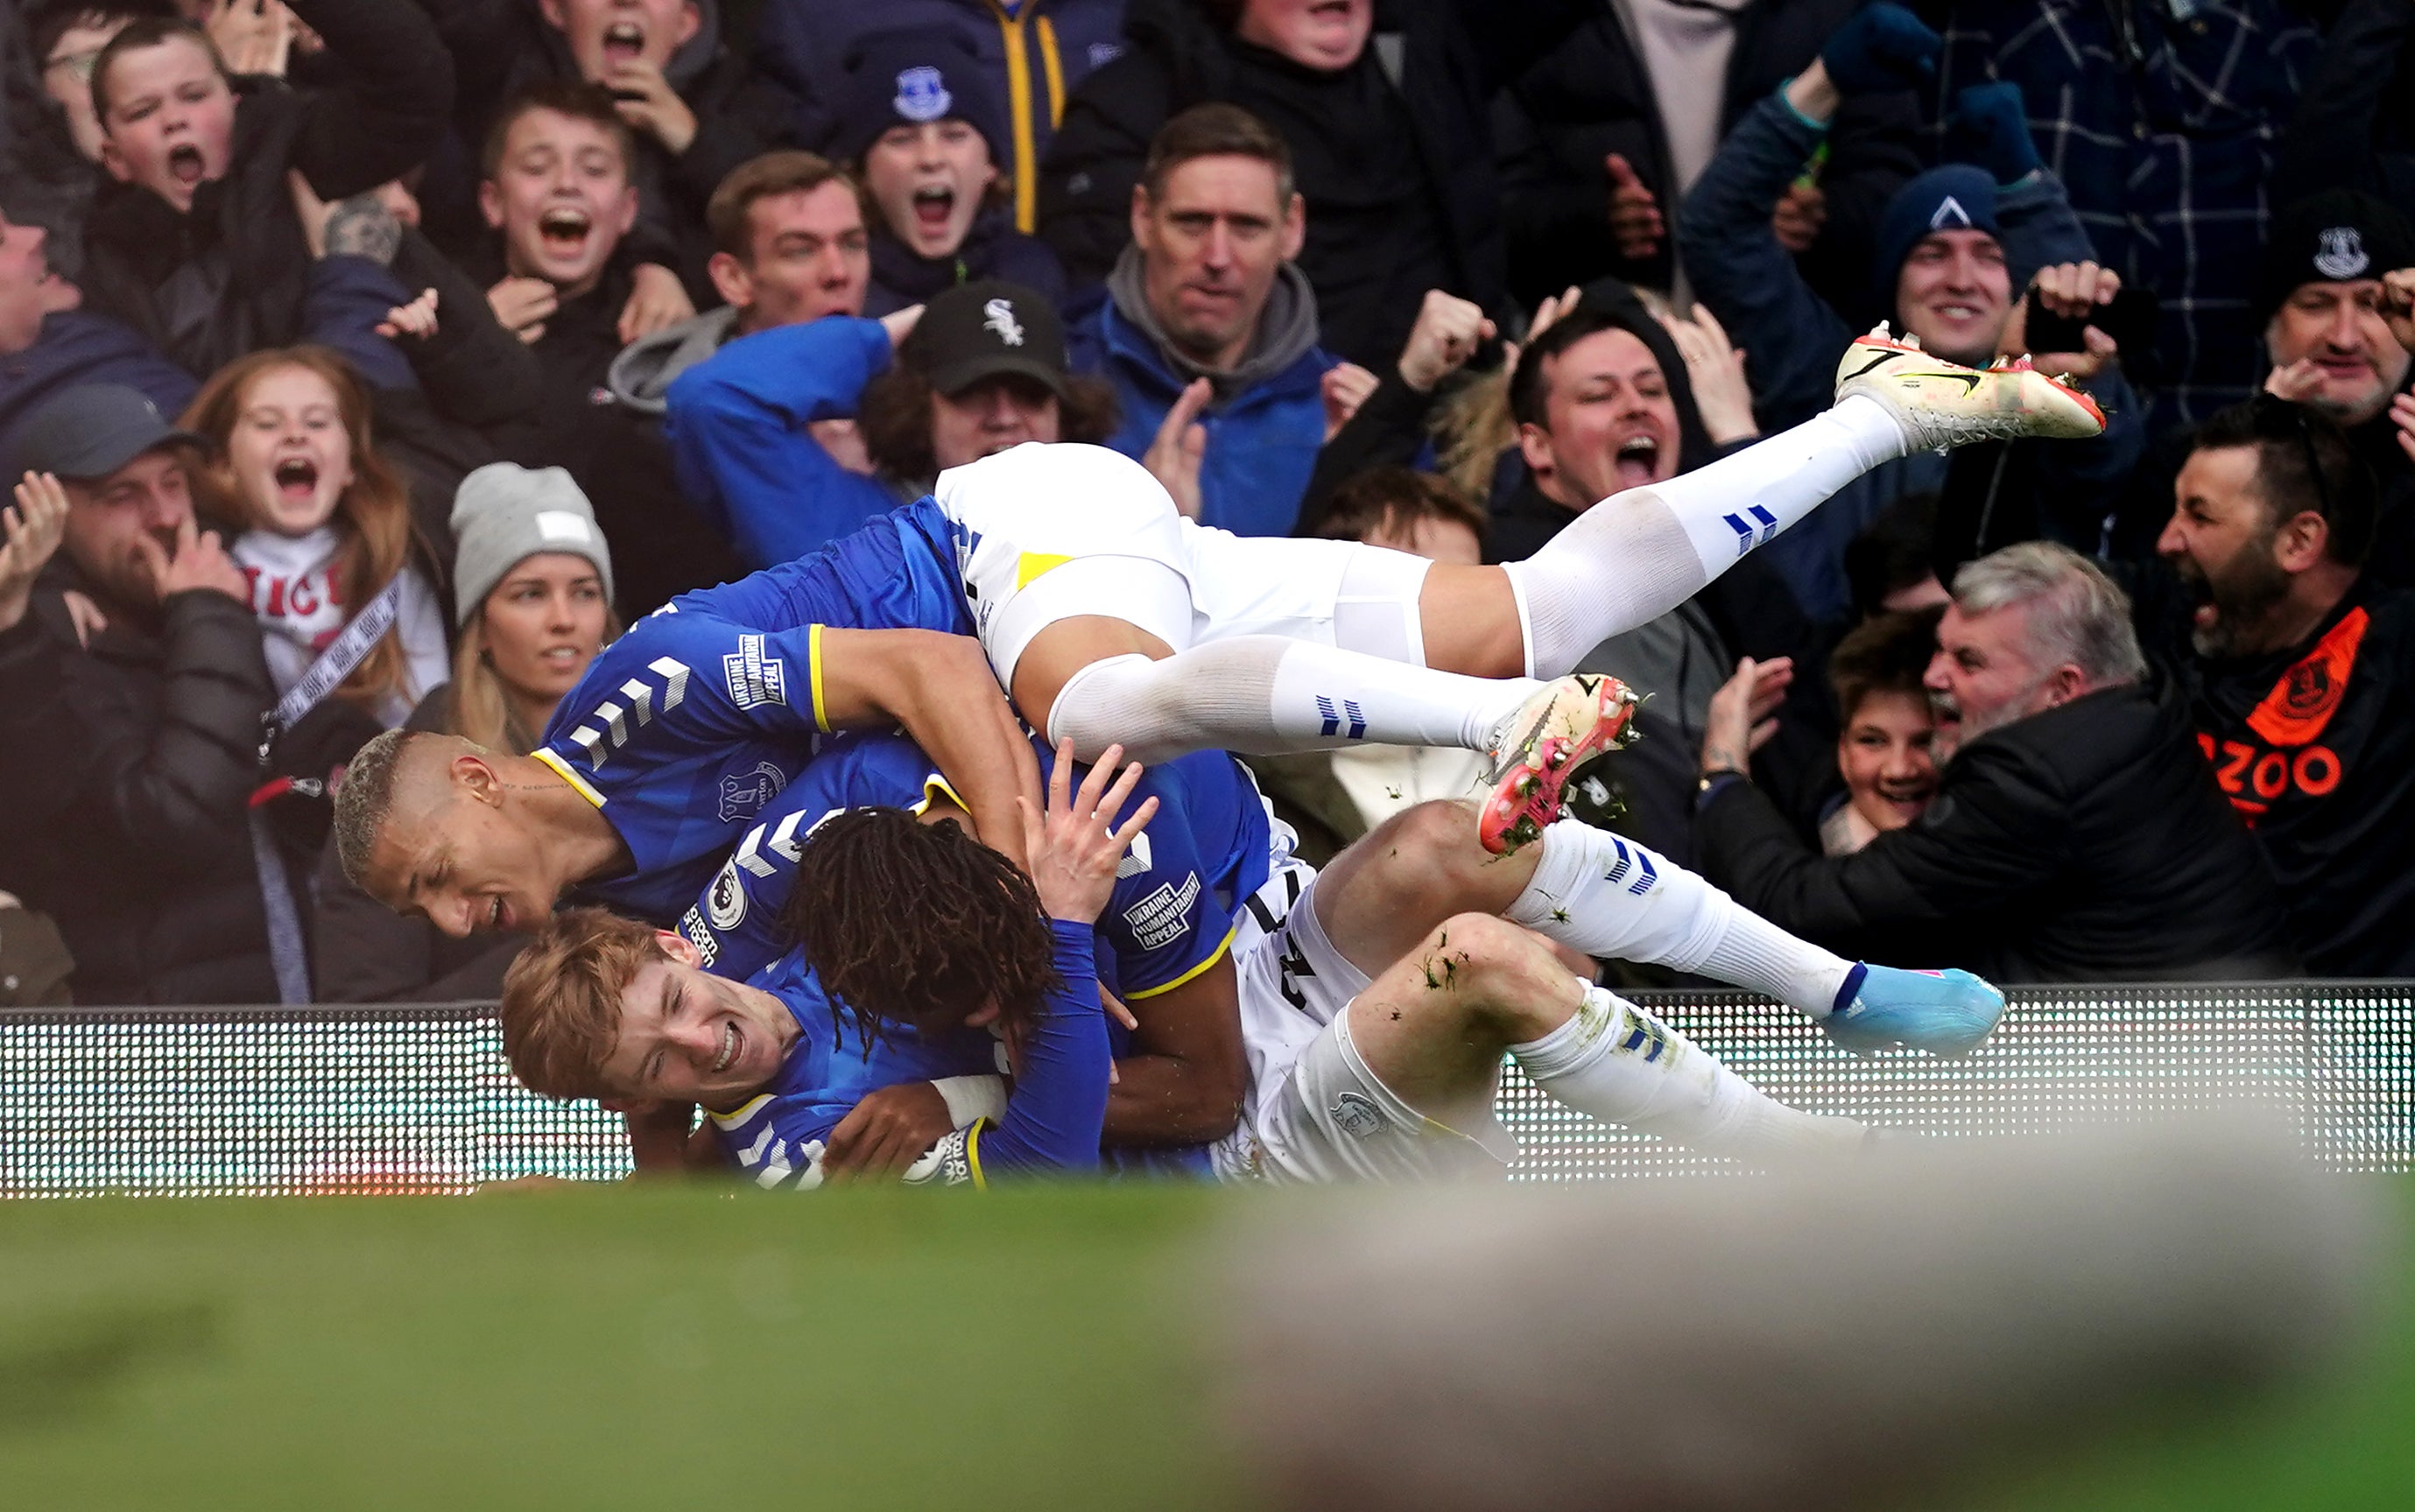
1604, 895
1432, 1028
1640, 553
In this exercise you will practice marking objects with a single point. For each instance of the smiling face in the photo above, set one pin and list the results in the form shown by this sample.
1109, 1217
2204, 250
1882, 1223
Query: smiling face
2338, 326
605, 34
544, 622
28, 289
169, 125
928, 181
2221, 541
289, 456
1324, 34
686, 1035
1955, 293
562, 198
1213, 243
1609, 420
1983, 676
1883, 755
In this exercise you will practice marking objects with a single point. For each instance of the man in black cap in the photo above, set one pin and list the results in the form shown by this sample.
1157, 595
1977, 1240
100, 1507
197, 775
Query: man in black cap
2338, 329
2321, 299
984, 370
131, 757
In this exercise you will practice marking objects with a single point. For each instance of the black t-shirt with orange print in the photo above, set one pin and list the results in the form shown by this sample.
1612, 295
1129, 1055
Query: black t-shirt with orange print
2315, 746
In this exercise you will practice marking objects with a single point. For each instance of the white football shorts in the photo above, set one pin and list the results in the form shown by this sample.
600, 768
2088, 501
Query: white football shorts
1314, 1111
1063, 532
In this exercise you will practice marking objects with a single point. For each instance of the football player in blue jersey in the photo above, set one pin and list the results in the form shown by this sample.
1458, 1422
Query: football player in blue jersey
1165, 946
603, 1007
1110, 619
1309, 948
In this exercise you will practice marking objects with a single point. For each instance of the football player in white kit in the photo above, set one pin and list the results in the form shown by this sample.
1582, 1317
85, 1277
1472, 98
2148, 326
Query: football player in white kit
1379, 997
1122, 622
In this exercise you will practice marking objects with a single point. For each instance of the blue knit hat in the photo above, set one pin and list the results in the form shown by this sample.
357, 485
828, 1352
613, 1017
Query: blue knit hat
1955, 197
909, 77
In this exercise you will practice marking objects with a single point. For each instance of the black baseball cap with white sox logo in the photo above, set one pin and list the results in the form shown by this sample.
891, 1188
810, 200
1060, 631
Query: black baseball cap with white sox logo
93, 429
985, 329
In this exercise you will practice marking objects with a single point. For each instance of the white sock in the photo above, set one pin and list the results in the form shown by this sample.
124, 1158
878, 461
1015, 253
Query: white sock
1606, 895
1638, 554
1263, 695
1614, 1062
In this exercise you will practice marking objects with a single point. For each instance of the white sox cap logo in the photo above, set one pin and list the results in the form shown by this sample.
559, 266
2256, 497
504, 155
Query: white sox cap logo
998, 315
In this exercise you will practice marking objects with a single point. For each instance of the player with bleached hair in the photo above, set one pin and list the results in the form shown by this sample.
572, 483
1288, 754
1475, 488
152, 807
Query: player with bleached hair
1109, 619
1375, 1001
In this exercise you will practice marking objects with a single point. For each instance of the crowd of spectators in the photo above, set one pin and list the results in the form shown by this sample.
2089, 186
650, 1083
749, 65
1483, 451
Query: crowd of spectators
372, 362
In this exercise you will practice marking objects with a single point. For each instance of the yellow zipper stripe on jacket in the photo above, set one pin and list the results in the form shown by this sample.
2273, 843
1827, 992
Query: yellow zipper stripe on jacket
1018, 110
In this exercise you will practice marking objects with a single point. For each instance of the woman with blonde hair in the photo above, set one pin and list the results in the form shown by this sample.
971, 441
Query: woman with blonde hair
321, 523
535, 583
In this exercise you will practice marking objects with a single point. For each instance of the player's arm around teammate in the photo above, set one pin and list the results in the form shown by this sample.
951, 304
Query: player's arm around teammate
939, 689
1054, 1117
1184, 1071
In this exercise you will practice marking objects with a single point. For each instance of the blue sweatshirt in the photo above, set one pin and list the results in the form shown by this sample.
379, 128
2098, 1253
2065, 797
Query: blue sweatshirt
736, 425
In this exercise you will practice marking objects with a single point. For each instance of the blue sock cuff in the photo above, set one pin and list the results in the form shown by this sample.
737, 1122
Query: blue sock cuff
1852, 987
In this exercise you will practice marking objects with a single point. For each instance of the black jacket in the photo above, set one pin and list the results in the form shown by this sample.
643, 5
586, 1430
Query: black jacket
241, 228
1591, 96
363, 952
1396, 164
661, 547
127, 767
2313, 745
2084, 844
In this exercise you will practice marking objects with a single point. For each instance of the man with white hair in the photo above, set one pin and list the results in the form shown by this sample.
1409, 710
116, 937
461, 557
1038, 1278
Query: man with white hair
2076, 833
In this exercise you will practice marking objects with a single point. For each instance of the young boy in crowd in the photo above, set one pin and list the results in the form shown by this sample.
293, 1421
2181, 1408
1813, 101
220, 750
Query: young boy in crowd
199, 244
557, 192
918, 121
695, 109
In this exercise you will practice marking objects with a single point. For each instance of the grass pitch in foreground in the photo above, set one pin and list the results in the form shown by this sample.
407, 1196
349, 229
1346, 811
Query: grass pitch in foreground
651, 1347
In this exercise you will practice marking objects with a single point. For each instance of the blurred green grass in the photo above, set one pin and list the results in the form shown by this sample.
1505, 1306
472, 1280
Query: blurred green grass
859, 1350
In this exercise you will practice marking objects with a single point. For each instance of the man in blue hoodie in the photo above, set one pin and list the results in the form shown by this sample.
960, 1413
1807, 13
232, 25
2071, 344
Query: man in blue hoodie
47, 344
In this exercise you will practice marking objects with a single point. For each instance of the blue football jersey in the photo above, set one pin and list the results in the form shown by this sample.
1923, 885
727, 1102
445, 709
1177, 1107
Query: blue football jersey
683, 729
806, 1070
1169, 919
898, 572
1051, 1122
